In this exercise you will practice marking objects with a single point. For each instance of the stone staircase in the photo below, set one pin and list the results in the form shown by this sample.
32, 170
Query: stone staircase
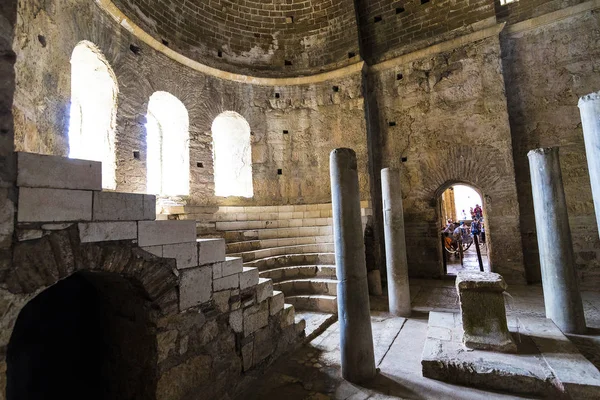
57, 193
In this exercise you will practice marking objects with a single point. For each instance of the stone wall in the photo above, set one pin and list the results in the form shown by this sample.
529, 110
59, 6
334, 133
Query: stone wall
318, 117
521, 10
263, 37
546, 70
445, 122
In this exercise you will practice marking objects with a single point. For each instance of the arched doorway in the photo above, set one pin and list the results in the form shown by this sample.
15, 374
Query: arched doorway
89, 336
93, 110
232, 155
464, 238
168, 143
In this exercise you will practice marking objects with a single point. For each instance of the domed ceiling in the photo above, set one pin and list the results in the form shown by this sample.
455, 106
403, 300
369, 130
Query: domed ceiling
253, 37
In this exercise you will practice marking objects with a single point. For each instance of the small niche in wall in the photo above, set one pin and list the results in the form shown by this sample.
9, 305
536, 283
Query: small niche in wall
404, 159
392, 123
137, 50
287, 62
399, 77
200, 165
165, 42
335, 89
424, 1
279, 171
42, 40
351, 54
219, 53
289, 19
285, 131
277, 95
399, 10
136, 154
378, 18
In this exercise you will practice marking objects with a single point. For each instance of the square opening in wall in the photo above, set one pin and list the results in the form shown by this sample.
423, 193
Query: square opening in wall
399, 10
285, 132
279, 171
287, 62
165, 42
399, 77
351, 54
289, 19
404, 159
219, 54
377, 19
137, 50
276, 95
392, 123
424, 1
200, 165
136, 154
336, 89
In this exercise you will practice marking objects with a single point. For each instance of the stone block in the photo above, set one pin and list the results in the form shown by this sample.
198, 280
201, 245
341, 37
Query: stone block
221, 300
264, 289
211, 250
107, 231
256, 317
44, 171
288, 316
263, 345
195, 287
151, 233
247, 351
248, 277
49, 205
29, 234
483, 312
236, 320
232, 265
184, 253
228, 282
276, 302
149, 206
156, 250
113, 206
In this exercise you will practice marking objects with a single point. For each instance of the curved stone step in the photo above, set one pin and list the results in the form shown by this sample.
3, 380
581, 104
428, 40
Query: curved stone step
264, 214
309, 286
278, 251
299, 272
316, 323
321, 303
290, 260
242, 235
249, 245
272, 223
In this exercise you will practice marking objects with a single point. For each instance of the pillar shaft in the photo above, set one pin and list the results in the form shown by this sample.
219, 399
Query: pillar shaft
589, 107
356, 336
562, 298
395, 243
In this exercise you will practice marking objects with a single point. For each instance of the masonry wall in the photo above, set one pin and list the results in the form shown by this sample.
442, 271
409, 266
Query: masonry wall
265, 37
522, 10
446, 122
546, 70
318, 117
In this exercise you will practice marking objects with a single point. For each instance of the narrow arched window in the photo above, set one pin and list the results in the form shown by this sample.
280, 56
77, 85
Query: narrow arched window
232, 155
93, 111
167, 140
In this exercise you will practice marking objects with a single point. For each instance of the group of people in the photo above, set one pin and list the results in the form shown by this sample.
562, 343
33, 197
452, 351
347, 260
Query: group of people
457, 232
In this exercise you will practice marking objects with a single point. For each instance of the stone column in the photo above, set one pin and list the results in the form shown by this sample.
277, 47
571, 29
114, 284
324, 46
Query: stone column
356, 336
559, 278
589, 107
395, 243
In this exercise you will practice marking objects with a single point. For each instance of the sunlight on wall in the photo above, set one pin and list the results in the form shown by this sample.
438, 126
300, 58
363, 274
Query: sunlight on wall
232, 155
93, 110
465, 197
167, 139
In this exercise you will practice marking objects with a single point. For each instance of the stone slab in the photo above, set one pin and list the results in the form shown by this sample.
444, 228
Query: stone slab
45, 171
211, 250
264, 289
107, 231
50, 205
152, 233
114, 206
184, 253
195, 287
476, 280
248, 277
228, 282
276, 302
526, 372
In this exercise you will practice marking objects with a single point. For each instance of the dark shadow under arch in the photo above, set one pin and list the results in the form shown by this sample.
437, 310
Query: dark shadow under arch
89, 336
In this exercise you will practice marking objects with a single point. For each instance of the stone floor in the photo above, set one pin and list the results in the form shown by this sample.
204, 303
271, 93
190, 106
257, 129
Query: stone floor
313, 371
470, 262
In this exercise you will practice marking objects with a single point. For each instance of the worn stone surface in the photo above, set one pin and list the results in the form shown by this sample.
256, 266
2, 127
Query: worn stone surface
104, 231
195, 287
36, 170
46, 205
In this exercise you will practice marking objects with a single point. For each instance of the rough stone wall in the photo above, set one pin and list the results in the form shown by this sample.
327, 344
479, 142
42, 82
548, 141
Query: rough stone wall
264, 37
546, 70
521, 10
317, 117
447, 117
390, 28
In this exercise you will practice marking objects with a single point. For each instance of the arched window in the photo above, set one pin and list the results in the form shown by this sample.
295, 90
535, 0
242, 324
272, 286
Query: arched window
93, 110
232, 155
167, 139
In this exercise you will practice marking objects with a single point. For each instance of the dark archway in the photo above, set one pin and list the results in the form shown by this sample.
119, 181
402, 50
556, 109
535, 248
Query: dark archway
89, 336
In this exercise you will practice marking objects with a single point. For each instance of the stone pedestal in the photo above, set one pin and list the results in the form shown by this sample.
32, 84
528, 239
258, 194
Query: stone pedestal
356, 336
395, 243
483, 312
589, 107
562, 298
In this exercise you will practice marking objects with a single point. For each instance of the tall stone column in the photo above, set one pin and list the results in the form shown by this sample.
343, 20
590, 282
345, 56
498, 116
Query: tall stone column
356, 336
395, 243
589, 107
559, 278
